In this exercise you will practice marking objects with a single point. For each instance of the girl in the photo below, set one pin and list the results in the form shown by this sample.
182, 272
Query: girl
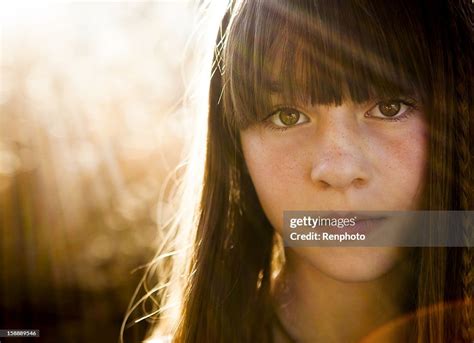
325, 105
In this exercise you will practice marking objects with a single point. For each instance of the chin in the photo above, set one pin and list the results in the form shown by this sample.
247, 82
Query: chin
351, 264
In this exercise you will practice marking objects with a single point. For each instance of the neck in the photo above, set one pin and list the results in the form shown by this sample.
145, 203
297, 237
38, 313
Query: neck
314, 307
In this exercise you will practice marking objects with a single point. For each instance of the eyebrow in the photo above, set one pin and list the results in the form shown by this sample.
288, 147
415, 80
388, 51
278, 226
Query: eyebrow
276, 86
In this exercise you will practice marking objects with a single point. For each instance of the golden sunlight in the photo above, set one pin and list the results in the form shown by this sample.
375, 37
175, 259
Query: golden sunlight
96, 99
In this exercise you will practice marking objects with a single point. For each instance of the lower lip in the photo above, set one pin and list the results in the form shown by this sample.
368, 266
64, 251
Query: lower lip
362, 227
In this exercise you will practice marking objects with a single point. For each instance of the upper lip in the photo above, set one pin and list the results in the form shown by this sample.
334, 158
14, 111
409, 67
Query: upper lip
369, 218
357, 215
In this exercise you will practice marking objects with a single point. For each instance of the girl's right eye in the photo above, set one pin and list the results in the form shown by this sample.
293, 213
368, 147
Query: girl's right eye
287, 117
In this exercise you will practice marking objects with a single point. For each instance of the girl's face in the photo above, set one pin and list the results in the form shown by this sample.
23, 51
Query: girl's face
352, 157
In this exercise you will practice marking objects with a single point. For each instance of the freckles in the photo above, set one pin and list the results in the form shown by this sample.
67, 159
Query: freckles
412, 148
259, 159
405, 148
274, 167
271, 158
277, 166
402, 162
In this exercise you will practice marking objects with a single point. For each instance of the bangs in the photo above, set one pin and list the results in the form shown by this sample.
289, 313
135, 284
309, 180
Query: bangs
320, 52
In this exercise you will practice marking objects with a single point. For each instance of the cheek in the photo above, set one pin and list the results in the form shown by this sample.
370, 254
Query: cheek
399, 161
276, 172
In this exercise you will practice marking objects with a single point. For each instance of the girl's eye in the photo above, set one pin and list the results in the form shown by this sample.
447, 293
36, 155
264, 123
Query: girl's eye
390, 109
287, 117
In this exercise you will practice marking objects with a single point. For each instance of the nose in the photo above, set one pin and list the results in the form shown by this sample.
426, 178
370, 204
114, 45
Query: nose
339, 172
340, 160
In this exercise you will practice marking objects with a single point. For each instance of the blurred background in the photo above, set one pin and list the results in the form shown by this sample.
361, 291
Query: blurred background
95, 113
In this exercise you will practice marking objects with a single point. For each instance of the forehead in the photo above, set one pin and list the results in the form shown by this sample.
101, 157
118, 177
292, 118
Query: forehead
298, 70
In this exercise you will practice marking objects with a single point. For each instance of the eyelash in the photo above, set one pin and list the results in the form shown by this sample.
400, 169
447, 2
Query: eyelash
267, 124
411, 103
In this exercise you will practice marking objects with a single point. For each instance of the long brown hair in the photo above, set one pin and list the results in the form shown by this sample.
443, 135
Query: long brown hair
217, 288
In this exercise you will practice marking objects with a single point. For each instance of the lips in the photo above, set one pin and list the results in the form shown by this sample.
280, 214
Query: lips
364, 224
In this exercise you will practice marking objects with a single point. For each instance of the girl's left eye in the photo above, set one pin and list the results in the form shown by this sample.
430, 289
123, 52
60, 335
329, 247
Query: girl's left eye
287, 117
394, 109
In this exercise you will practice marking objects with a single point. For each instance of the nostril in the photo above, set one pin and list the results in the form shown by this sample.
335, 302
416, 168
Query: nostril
324, 184
359, 182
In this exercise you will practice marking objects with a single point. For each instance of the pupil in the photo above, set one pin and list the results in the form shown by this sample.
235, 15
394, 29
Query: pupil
389, 109
289, 118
